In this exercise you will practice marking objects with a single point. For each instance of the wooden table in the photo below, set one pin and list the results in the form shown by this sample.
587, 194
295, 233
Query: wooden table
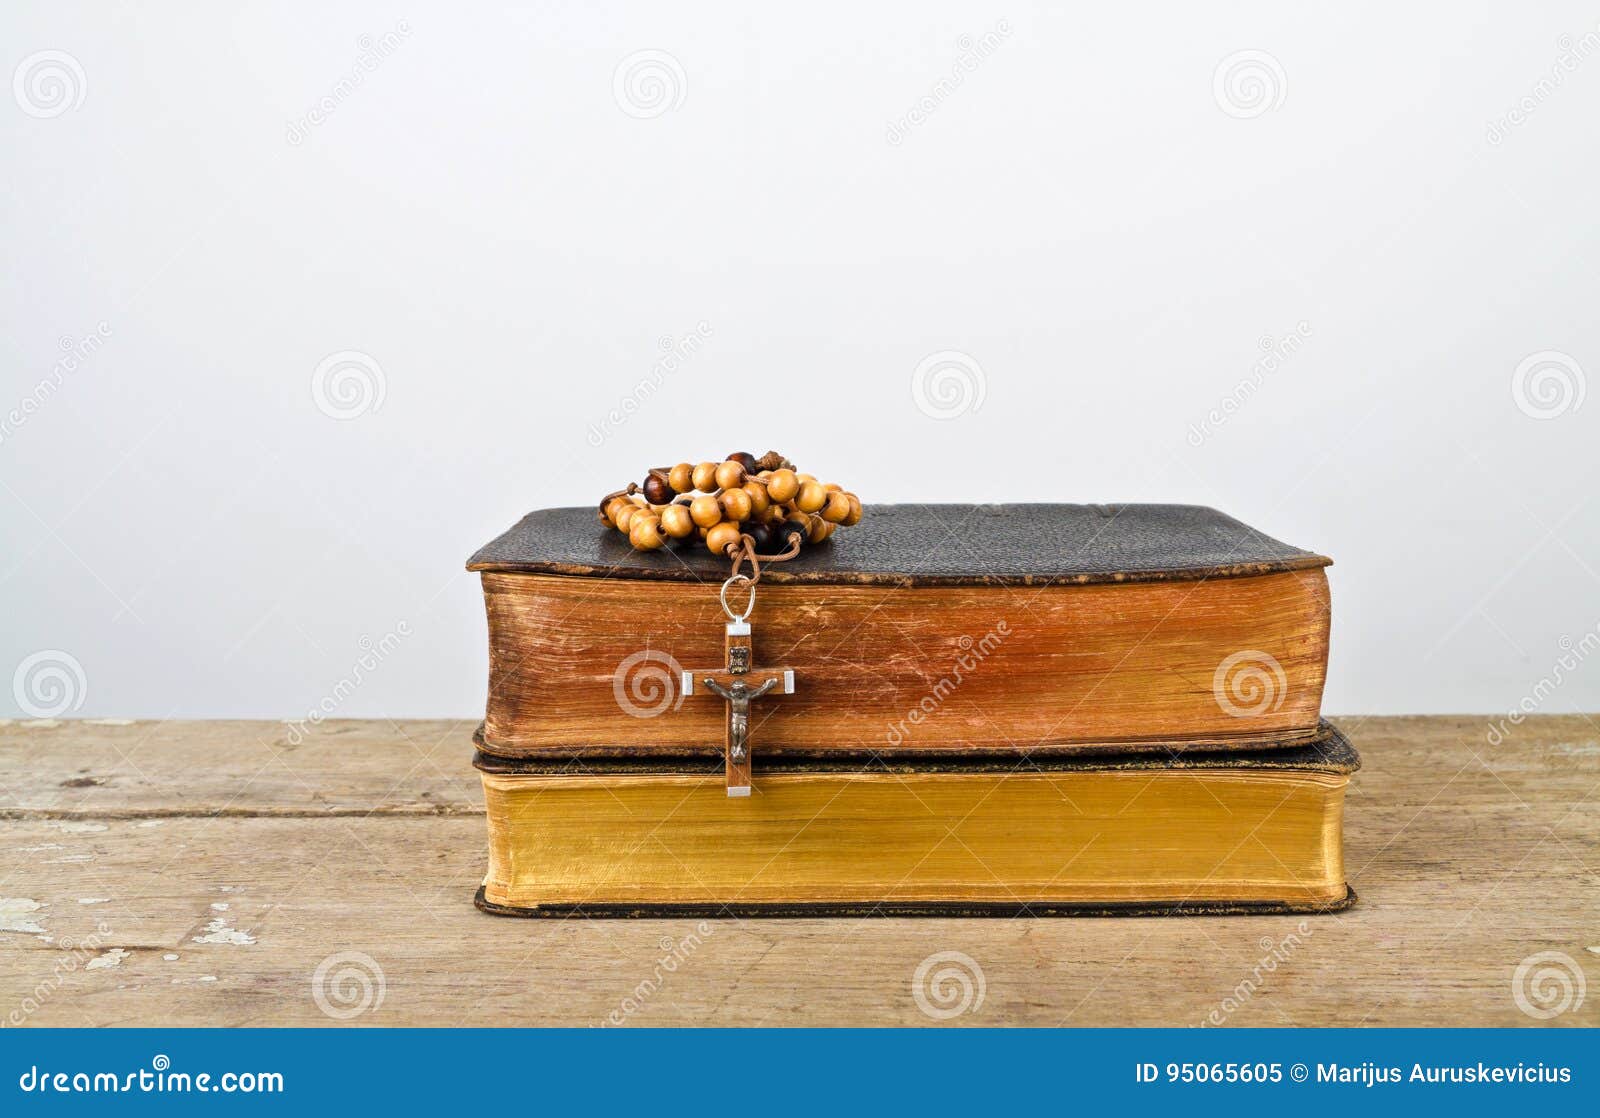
200, 873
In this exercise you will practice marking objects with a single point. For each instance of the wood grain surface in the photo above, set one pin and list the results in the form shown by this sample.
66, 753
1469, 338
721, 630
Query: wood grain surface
207, 871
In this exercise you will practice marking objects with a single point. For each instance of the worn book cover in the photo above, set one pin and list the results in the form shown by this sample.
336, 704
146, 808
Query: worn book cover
923, 630
1256, 831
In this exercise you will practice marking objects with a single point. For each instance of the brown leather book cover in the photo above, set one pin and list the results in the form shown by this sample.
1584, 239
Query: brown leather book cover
923, 631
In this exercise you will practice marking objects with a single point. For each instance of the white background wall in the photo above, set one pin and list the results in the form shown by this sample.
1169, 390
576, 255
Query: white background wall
1106, 234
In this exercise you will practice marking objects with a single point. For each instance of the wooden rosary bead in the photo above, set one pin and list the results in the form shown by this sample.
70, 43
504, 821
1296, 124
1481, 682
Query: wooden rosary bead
681, 477
855, 511
820, 530
644, 532
656, 489
811, 497
735, 504
783, 485
705, 511
837, 508
763, 536
730, 475
624, 515
757, 493
721, 536
705, 476
745, 459
676, 521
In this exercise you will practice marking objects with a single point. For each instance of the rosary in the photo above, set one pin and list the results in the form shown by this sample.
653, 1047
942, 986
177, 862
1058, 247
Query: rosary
743, 508
723, 502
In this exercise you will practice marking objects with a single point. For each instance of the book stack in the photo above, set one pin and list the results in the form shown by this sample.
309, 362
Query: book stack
972, 709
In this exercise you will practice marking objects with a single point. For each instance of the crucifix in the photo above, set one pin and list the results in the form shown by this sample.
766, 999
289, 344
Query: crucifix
737, 684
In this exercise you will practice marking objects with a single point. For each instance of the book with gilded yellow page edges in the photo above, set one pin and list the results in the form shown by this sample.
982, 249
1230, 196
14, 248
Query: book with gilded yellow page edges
972, 709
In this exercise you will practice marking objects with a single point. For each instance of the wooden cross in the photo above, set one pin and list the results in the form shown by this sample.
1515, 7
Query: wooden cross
736, 685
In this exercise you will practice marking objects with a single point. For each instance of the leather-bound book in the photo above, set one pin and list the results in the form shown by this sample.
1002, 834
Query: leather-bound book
968, 708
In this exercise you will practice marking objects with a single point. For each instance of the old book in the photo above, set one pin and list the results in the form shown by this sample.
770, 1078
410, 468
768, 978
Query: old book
921, 631
976, 709
1145, 832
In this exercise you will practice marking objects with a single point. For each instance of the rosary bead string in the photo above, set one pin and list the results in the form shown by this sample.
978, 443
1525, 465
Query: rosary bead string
745, 508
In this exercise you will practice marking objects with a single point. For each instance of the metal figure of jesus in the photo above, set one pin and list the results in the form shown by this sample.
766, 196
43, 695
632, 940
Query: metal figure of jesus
737, 684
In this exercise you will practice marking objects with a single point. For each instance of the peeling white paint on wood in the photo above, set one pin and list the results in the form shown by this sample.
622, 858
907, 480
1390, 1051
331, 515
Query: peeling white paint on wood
75, 827
169, 957
1577, 749
41, 723
218, 932
93, 900
112, 958
15, 915
109, 721
40, 848
70, 858
219, 906
152, 822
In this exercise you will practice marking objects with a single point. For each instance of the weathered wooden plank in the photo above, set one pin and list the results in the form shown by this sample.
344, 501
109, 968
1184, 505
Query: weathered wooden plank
110, 768
1470, 857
